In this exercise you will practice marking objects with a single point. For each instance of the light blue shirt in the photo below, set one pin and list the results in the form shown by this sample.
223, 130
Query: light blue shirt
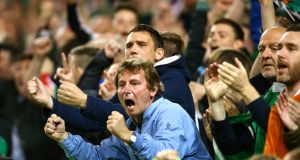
165, 125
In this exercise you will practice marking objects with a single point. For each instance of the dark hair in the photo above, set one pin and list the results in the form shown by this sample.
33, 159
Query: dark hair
293, 28
24, 57
239, 33
84, 55
173, 43
228, 55
14, 52
156, 37
126, 6
135, 65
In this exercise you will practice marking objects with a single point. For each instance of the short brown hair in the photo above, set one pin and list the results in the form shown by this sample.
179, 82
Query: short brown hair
135, 65
228, 55
173, 43
84, 55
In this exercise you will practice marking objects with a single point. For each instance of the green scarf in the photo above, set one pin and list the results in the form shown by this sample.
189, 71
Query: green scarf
270, 97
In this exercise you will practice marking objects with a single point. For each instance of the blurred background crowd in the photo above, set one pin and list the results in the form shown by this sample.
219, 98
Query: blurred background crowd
34, 33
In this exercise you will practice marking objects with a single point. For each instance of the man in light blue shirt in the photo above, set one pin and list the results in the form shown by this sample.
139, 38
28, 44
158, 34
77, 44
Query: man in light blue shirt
155, 123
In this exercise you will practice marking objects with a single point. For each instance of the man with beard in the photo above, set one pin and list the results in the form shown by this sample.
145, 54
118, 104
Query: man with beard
155, 123
281, 117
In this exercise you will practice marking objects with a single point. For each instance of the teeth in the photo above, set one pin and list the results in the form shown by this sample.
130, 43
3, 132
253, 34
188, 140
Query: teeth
129, 106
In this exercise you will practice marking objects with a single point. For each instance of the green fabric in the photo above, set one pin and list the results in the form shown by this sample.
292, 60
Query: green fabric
245, 118
202, 5
270, 97
3, 147
294, 5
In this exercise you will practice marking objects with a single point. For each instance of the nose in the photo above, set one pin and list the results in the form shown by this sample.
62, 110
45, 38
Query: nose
126, 90
131, 53
266, 53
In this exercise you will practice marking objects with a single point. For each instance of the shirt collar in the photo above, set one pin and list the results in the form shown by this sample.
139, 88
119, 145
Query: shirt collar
167, 60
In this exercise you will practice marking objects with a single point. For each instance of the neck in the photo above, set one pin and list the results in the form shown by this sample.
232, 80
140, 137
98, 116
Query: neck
138, 119
292, 89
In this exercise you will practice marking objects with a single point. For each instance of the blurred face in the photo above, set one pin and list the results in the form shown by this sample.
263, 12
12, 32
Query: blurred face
223, 5
20, 69
267, 49
288, 59
124, 20
141, 46
134, 94
5, 65
221, 35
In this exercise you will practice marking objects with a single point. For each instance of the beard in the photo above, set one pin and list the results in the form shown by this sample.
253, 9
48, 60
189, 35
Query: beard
294, 74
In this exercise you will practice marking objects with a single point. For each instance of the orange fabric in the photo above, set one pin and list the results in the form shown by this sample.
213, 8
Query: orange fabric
285, 1
274, 141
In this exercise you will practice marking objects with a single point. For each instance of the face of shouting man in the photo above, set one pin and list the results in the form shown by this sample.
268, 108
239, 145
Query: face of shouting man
134, 94
288, 59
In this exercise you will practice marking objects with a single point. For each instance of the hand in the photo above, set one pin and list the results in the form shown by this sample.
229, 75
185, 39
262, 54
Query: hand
167, 155
117, 127
112, 48
198, 91
38, 93
70, 94
55, 128
42, 45
294, 110
215, 89
107, 90
206, 122
237, 79
233, 96
65, 73
282, 108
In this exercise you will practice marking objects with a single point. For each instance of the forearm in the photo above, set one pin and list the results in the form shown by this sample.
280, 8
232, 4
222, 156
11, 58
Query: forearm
267, 14
98, 109
34, 68
195, 51
73, 20
76, 148
236, 10
255, 70
74, 119
218, 112
249, 93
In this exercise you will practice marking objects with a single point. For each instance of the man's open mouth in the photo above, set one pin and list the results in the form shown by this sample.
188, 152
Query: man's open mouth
281, 66
129, 103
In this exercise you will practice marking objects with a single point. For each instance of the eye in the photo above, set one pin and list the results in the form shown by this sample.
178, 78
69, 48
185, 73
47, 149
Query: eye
121, 84
128, 45
261, 49
142, 44
274, 48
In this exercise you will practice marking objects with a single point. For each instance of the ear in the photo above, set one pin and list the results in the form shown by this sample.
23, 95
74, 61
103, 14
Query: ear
238, 44
159, 54
153, 92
